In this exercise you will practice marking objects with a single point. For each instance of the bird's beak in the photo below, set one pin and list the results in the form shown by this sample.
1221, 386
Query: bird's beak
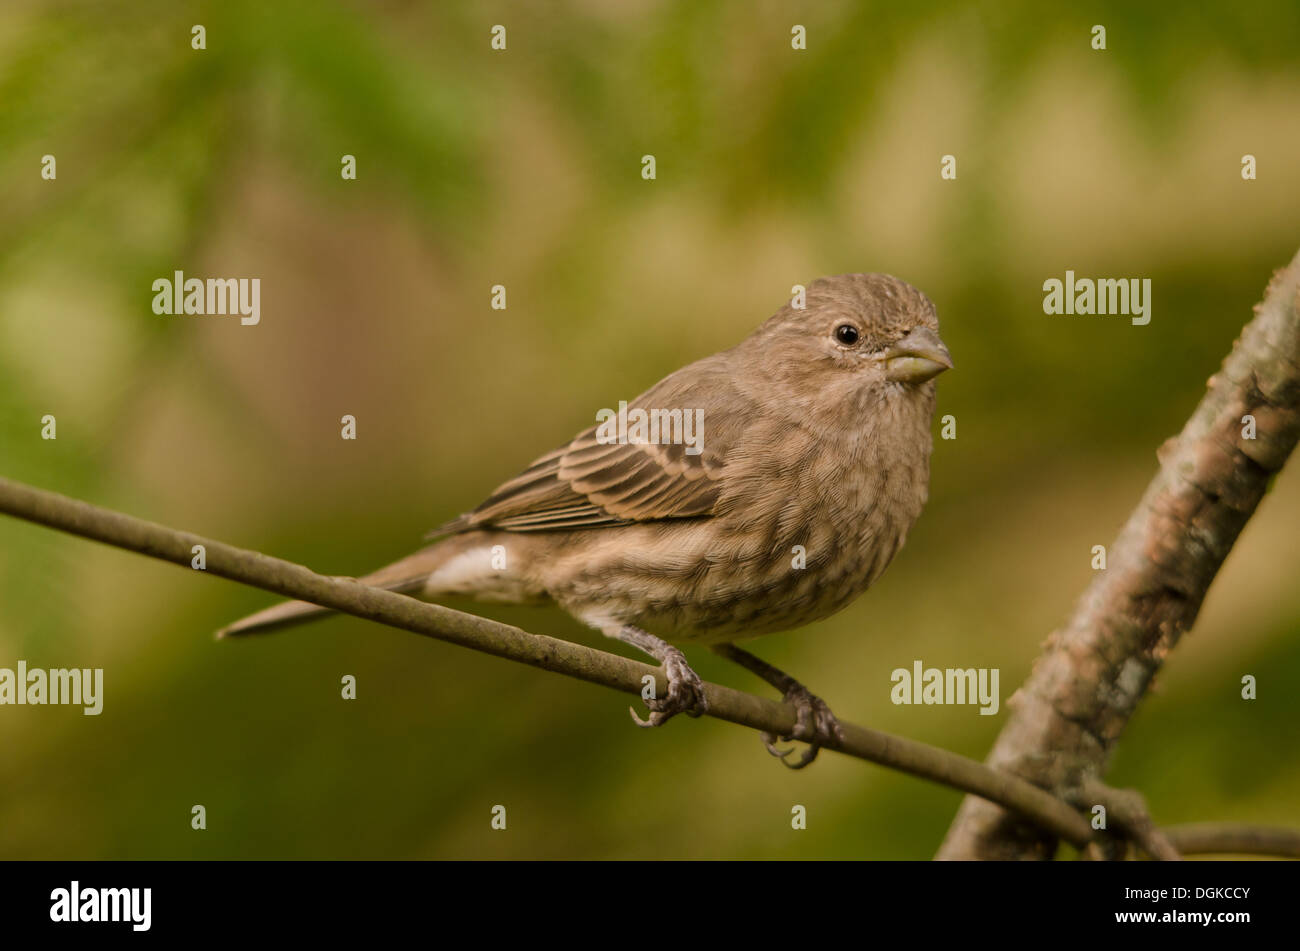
918, 357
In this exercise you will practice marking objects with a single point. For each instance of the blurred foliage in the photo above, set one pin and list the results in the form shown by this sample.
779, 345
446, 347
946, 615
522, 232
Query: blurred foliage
522, 167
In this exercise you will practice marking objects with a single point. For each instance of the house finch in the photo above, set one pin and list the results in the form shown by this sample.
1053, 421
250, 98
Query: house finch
788, 480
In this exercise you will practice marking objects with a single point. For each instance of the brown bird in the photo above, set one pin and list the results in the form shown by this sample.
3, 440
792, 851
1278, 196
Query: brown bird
788, 478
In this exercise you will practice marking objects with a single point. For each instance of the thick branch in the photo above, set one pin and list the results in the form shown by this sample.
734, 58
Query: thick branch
1094, 671
501, 640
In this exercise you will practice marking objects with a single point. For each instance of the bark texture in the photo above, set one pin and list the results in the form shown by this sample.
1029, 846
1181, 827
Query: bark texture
1092, 673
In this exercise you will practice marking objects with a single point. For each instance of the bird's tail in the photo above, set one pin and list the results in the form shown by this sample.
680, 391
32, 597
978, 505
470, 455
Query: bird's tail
407, 575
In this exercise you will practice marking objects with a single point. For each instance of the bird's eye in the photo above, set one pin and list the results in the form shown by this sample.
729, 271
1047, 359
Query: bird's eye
847, 334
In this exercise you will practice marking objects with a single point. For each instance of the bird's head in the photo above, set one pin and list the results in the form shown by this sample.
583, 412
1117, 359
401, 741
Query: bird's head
858, 338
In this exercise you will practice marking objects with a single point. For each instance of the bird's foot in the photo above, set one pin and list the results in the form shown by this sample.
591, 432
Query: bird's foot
685, 692
814, 724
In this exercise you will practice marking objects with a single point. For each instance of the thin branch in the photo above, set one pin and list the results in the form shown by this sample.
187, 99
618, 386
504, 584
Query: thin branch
1205, 838
1128, 810
1093, 672
501, 640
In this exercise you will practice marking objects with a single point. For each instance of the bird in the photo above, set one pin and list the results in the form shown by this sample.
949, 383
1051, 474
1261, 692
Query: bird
807, 465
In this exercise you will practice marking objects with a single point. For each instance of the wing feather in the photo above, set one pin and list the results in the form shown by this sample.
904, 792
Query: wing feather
590, 484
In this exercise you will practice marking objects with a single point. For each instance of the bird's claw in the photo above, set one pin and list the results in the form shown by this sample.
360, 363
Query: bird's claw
685, 694
814, 724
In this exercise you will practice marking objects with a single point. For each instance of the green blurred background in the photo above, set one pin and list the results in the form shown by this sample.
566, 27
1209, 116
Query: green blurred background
523, 168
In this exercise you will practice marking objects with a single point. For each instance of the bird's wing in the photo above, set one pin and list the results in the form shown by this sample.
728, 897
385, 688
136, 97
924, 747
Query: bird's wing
589, 483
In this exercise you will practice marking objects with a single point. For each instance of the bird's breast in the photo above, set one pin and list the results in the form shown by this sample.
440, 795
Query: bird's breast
809, 528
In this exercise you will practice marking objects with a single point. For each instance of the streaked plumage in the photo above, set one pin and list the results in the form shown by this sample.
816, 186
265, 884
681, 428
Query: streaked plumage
808, 444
